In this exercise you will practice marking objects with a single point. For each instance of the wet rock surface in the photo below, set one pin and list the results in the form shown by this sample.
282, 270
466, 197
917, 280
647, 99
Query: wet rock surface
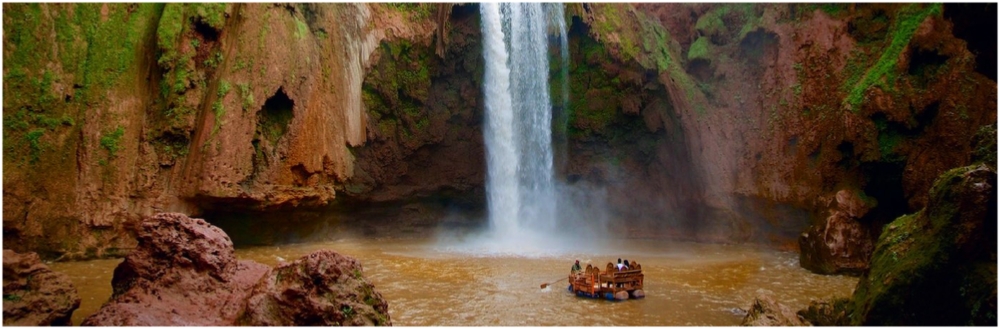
938, 266
34, 295
825, 314
841, 244
765, 312
184, 272
320, 289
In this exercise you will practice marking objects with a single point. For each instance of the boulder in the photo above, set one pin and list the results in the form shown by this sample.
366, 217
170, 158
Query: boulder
321, 289
182, 273
765, 312
840, 244
937, 267
827, 314
34, 295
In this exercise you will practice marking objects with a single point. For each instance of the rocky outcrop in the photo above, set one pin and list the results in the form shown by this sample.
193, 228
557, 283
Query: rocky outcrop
320, 289
842, 244
826, 314
34, 295
184, 272
765, 312
938, 266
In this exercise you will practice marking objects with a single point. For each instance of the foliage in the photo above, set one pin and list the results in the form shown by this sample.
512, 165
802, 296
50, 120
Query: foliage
212, 14
699, 49
301, 29
882, 73
169, 32
711, 22
109, 141
417, 11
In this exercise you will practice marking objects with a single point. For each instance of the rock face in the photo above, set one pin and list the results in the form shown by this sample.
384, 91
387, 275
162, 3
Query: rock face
34, 295
765, 312
826, 314
842, 244
938, 266
728, 122
183, 272
321, 289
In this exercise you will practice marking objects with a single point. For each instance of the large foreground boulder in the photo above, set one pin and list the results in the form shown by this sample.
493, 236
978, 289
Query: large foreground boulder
840, 244
34, 295
321, 289
938, 266
182, 273
765, 312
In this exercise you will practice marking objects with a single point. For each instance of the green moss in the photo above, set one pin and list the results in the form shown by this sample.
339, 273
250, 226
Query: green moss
168, 32
301, 29
882, 73
416, 11
212, 14
699, 49
110, 140
246, 95
711, 22
223, 89
984, 149
32, 138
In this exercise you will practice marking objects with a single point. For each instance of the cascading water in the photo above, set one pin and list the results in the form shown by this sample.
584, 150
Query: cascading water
518, 132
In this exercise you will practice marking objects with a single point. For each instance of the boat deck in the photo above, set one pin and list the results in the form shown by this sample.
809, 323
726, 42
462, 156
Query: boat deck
610, 284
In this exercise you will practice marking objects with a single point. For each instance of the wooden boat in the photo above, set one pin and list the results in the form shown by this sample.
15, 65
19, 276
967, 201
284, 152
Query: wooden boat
610, 284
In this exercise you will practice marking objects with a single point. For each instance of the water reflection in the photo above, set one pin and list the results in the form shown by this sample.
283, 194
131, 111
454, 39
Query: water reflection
429, 284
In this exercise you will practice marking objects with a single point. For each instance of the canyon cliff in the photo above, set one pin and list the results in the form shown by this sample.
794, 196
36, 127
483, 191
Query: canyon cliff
746, 123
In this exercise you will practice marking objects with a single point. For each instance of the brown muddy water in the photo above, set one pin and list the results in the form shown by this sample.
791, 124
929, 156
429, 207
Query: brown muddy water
428, 285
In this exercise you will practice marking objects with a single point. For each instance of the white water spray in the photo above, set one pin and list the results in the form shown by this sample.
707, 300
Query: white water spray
518, 135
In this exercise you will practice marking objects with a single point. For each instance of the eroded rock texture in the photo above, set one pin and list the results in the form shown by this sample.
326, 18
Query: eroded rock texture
320, 289
765, 312
184, 272
34, 295
938, 266
842, 243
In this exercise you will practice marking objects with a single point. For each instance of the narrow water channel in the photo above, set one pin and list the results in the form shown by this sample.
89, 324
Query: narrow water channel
428, 285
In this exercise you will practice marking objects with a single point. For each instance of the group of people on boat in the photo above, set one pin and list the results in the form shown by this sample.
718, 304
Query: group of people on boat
621, 266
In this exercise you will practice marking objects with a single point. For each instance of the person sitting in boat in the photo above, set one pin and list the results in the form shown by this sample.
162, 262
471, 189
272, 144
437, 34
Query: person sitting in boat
576, 267
627, 267
620, 265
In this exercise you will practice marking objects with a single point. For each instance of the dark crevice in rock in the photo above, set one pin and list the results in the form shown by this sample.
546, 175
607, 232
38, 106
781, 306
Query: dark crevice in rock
274, 117
207, 31
885, 184
759, 48
976, 23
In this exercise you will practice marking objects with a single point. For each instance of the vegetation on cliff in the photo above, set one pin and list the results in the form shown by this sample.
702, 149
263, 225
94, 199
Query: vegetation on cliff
933, 267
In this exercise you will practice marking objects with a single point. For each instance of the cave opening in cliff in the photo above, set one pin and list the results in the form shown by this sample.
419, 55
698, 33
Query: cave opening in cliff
759, 48
274, 117
884, 183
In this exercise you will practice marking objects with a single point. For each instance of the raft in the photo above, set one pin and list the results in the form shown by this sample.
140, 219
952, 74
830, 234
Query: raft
610, 284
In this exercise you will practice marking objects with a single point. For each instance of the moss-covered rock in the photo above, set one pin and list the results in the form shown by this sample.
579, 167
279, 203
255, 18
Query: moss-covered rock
937, 266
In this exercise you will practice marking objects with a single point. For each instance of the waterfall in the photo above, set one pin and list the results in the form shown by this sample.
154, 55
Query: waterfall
518, 135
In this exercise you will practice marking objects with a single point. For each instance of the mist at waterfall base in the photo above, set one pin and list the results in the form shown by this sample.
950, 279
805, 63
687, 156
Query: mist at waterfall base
530, 211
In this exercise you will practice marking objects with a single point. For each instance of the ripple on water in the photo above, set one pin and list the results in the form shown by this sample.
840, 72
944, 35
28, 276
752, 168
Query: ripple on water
430, 284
